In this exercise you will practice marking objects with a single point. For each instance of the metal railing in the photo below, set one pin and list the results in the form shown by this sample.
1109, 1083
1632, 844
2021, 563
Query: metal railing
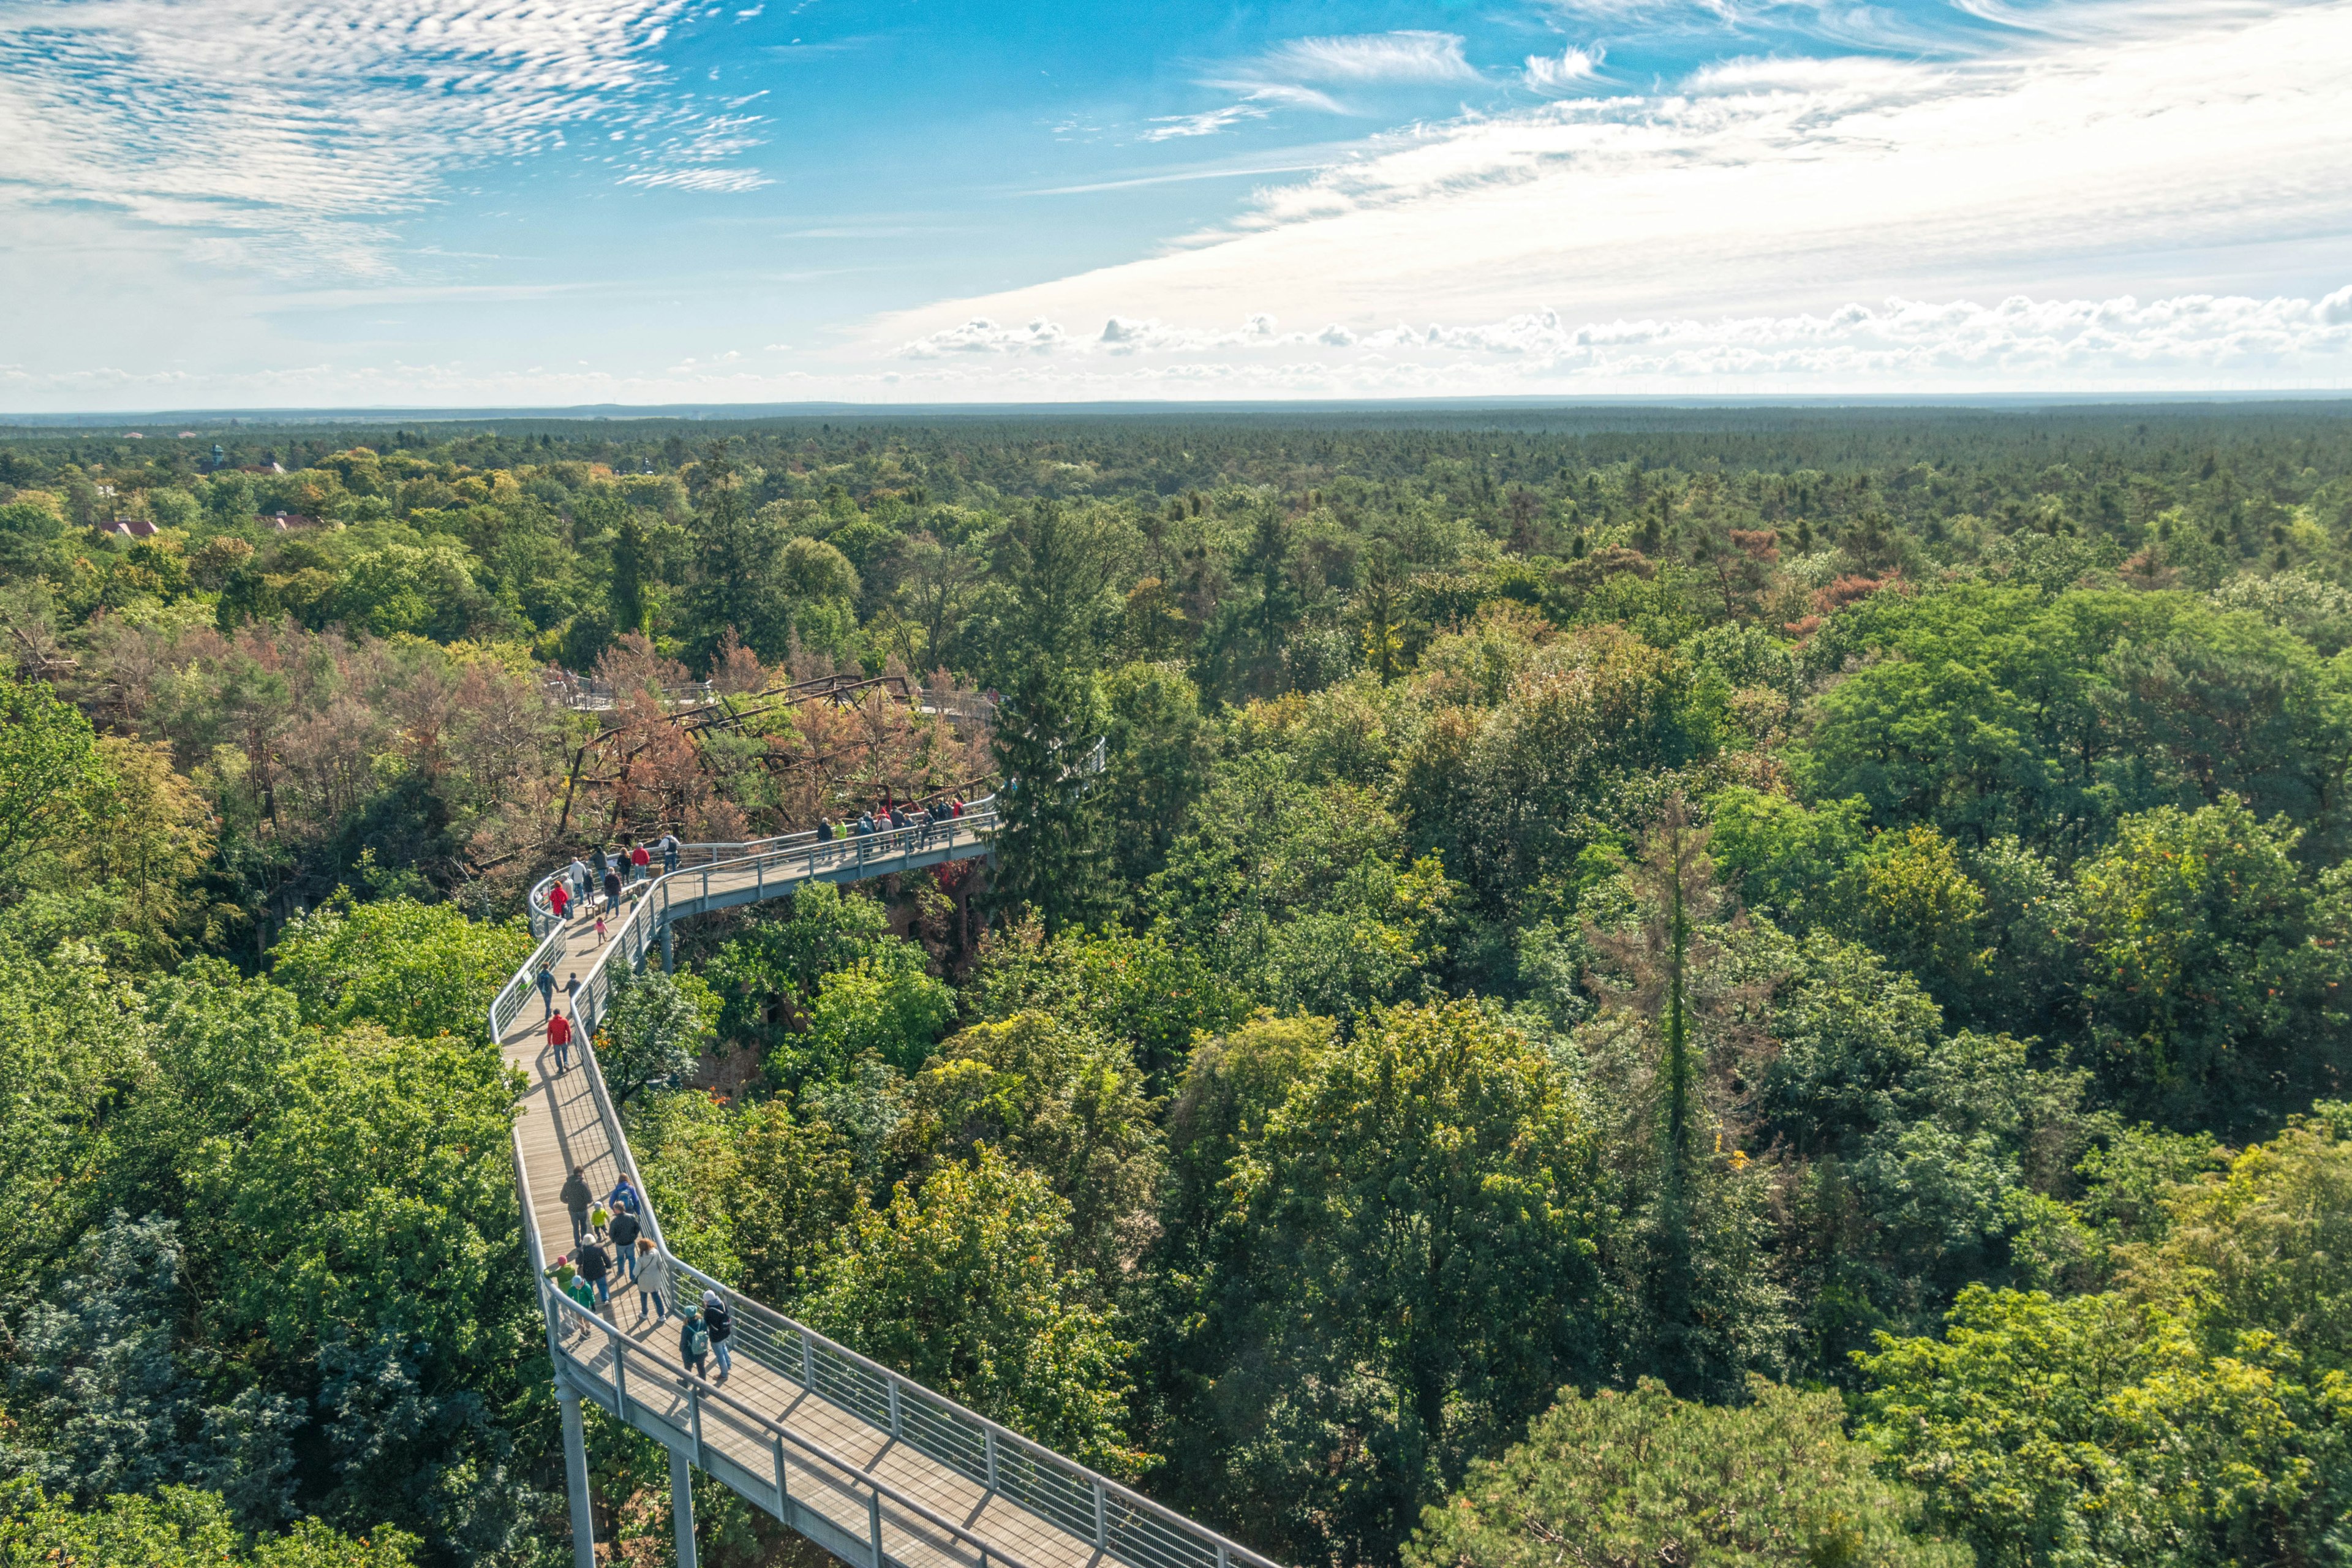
587, 694
602, 1359
780, 853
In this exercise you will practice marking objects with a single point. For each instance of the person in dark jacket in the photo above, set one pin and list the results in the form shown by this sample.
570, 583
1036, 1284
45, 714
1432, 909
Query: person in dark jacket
693, 1340
624, 1231
595, 1267
546, 984
575, 1195
721, 1325
613, 888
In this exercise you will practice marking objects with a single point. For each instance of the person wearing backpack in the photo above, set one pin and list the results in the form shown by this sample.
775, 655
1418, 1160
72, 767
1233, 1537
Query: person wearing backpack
721, 1325
693, 1340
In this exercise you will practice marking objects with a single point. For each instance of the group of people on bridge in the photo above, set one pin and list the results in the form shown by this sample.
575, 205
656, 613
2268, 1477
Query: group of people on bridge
588, 1272
610, 872
889, 817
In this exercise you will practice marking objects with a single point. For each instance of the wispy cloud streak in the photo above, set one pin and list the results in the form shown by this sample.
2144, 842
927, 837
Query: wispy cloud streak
291, 130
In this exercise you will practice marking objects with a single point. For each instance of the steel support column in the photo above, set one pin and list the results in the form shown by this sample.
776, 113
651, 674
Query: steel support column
681, 1505
575, 1473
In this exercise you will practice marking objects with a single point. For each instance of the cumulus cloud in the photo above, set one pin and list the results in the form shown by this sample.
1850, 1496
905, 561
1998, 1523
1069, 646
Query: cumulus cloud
982, 336
2188, 340
1556, 73
289, 130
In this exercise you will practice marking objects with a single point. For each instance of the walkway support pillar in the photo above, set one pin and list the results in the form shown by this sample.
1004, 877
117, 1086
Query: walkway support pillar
669, 951
681, 1505
575, 1472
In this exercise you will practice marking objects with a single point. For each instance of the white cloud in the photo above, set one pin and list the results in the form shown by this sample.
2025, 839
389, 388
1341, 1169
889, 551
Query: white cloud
290, 131
697, 159
1409, 56
982, 336
1207, 123
1555, 73
2193, 339
2139, 158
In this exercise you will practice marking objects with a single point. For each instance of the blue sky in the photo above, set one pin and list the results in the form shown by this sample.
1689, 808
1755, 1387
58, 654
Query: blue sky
220, 202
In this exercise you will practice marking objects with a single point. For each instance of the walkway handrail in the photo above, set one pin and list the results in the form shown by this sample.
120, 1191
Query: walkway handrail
1119, 1521
716, 852
701, 1390
895, 1390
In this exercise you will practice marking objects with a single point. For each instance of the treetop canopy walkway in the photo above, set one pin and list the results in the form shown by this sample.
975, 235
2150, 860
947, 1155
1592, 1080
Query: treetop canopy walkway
875, 1469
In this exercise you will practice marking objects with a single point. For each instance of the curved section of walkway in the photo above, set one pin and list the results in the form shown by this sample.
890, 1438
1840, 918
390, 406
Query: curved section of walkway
875, 1469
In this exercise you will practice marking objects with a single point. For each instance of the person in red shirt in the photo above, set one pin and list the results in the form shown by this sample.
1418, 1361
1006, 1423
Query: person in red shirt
558, 900
558, 1034
640, 859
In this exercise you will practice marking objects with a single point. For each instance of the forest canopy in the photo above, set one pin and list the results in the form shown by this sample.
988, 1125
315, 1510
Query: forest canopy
1806, 945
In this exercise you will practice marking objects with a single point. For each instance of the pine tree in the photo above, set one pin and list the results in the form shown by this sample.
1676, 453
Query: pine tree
1053, 853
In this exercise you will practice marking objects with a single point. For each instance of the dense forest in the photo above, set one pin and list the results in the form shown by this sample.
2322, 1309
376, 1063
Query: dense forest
1632, 986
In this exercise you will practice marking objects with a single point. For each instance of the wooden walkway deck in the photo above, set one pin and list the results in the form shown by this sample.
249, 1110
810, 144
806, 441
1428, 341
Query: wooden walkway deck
559, 1129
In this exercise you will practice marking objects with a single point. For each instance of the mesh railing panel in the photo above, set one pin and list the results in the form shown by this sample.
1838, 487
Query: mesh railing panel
1055, 1490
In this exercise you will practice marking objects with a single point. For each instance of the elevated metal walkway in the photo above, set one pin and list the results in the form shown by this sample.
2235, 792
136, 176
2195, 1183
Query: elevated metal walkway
879, 1471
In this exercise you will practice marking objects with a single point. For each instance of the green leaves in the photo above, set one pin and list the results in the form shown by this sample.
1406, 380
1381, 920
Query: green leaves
1416, 1269
885, 1004
957, 1285
48, 757
2093, 1431
180, 1528
654, 1029
416, 969
1630, 1479
2212, 976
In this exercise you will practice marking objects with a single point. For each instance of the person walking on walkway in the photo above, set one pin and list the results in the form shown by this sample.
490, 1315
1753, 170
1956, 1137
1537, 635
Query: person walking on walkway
546, 984
563, 1273
596, 1267
670, 847
824, 830
559, 1040
612, 888
598, 1218
575, 1196
596, 864
693, 1340
579, 879
653, 1281
640, 859
624, 1195
624, 1231
721, 1327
